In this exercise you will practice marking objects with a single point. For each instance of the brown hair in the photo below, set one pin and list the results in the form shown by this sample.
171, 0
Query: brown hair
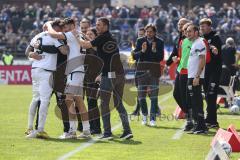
69, 21
141, 29
85, 21
154, 28
57, 23
207, 21
93, 30
185, 26
195, 28
105, 21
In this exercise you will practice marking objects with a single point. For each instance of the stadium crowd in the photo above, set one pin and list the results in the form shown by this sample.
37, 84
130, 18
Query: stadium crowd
19, 25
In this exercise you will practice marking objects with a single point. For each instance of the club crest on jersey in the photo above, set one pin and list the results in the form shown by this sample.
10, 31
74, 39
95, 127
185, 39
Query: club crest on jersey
110, 47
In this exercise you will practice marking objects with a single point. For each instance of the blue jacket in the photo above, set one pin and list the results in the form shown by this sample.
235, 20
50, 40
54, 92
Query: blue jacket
149, 61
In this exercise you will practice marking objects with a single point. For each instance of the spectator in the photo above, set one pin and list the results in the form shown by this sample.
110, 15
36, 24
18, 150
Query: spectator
7, 59
27, 24
68, 10
138, 25
22, 44
225, 19
228, 55
144, 14
123, 12
105, 11
125, 29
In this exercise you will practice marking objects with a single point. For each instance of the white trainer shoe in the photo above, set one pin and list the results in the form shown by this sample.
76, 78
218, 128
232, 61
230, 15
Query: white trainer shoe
144, 120
65, 135
32, 134
71, 135
152, 123
85, 134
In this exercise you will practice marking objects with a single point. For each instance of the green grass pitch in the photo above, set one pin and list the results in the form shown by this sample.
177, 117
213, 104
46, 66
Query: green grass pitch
148, 143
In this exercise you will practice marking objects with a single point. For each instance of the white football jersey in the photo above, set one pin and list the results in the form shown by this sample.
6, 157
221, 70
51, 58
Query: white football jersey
198, 48
74, 53
48, 61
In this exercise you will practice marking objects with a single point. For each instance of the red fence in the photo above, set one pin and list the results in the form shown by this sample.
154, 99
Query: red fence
19, 74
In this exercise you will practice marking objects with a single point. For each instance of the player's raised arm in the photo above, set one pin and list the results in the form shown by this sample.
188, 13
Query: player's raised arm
53, 33
83, 43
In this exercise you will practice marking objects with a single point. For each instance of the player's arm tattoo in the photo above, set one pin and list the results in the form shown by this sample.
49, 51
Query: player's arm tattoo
28, 50
64, 49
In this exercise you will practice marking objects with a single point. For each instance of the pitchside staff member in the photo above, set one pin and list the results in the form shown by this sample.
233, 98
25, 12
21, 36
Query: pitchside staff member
213, 71
141, 33
176, 46
182, 77
196, 67
149, 52
174, 57
136, 112
112, 78
90, 86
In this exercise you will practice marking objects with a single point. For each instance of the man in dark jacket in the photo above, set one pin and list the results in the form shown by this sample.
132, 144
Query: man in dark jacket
212, 72
175, 57
229, 56
149, 52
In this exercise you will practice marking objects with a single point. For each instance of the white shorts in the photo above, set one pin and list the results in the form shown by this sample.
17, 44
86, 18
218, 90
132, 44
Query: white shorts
41, 84
75, 83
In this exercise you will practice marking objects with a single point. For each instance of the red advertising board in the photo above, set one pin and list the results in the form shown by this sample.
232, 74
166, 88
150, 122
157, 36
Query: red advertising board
19, 74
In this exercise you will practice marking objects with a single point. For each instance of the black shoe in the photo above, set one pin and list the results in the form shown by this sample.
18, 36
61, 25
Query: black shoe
188, 127
199, 130
214, 126
105, 137
202, 131
208, 124
126, 135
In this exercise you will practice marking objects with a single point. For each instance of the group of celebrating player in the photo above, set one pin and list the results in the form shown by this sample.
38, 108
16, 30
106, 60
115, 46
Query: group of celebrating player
90, 60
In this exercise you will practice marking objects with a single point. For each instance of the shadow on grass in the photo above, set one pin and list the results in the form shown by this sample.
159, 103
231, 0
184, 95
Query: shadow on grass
208, 134
74, 140
163, 127
128, 142
95, 140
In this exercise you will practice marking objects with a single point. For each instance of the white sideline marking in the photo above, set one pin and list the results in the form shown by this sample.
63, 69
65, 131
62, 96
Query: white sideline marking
92, 141
179, 133
84, 145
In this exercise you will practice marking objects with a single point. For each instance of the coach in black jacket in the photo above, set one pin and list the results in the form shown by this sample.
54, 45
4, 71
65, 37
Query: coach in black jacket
148, 54
213, 71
